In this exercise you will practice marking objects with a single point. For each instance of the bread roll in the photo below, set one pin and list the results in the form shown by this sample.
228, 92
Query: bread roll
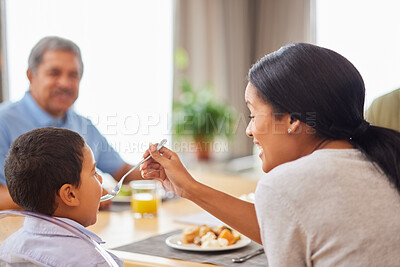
189, 233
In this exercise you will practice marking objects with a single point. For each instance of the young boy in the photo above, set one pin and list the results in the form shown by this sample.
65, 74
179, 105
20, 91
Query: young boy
52, 171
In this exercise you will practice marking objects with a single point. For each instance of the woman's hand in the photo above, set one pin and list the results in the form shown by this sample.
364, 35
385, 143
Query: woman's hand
166, 167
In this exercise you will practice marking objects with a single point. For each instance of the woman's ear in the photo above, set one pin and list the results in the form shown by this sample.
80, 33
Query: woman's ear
293, 125
68, 195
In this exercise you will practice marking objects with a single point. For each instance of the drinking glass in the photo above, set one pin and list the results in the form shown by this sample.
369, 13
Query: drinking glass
146, 198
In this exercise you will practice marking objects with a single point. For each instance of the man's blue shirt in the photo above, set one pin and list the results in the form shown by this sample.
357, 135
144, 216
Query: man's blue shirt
25, 115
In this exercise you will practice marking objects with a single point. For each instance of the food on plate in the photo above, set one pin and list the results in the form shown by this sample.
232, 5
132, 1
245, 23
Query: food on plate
218, 230
125, 190
204, 229
210, 240
208, 237
189, 234
227, 235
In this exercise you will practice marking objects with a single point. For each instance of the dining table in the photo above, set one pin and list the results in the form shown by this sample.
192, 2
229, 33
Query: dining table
119, 227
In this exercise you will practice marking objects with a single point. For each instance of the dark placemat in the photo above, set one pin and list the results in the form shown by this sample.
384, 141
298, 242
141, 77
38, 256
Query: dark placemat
156, 246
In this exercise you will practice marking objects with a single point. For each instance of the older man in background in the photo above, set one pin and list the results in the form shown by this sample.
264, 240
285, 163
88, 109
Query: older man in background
54, 72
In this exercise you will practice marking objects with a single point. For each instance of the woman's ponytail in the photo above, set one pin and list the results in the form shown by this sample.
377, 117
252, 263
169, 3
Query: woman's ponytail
382, 146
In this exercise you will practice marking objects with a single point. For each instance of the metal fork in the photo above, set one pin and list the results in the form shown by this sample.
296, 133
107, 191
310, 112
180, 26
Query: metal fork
248, 256
117, 188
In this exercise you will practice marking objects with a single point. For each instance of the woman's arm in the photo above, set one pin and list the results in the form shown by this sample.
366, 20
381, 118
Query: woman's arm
168, 169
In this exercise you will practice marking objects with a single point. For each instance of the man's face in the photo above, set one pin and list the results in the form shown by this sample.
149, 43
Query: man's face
55, 83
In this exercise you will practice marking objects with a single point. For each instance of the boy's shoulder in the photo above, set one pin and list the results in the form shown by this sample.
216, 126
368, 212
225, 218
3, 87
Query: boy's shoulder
46, 243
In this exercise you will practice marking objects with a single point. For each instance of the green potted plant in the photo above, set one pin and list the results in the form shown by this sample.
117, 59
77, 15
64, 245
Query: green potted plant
198, 116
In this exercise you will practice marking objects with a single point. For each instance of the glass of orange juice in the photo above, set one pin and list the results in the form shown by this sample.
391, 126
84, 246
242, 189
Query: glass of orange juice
145, 197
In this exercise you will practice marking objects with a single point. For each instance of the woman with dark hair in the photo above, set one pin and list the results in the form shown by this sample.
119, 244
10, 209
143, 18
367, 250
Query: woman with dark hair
331, 195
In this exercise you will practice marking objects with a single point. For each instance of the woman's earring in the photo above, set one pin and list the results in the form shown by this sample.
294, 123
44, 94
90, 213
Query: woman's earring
289, 130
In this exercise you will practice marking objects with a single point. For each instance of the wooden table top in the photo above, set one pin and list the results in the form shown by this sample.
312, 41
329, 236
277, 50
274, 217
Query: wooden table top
121, 228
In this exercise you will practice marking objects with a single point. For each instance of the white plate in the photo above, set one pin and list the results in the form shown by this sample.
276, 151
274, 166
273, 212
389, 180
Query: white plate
122, 199
174, 241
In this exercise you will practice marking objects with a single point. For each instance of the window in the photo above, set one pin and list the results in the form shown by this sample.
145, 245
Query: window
366, 33
126, 46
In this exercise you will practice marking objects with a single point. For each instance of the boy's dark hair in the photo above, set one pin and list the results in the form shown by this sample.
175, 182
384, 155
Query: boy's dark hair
39, 162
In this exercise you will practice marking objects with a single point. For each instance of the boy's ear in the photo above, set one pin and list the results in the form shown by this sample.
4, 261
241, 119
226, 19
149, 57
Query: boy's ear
68, 195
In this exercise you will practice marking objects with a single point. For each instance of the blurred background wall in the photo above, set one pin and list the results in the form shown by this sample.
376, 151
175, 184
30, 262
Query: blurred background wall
224, 38
130, 79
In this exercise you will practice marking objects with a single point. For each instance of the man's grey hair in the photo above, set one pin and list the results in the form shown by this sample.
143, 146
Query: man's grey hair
52, 43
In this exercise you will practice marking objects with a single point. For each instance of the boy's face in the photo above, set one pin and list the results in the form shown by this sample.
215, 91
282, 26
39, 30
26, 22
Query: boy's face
90, 189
